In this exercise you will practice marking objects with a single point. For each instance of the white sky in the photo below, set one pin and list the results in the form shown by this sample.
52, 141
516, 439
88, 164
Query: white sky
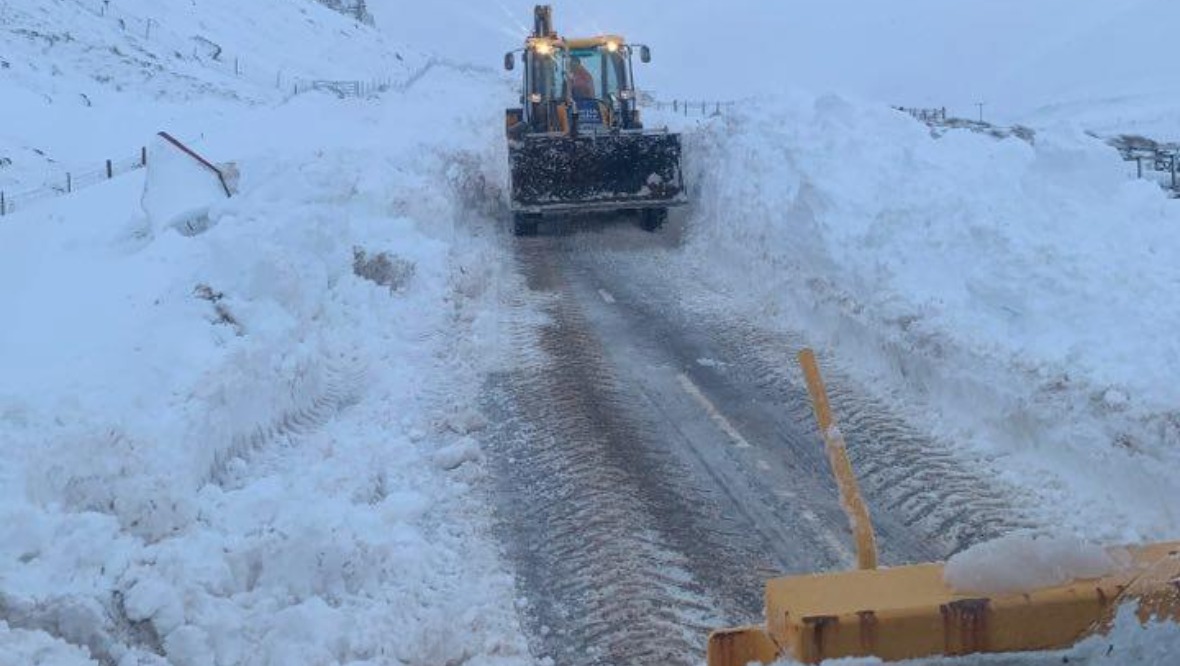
1013, 54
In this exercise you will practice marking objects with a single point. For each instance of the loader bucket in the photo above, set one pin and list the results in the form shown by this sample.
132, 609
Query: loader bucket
564, 174
909, 612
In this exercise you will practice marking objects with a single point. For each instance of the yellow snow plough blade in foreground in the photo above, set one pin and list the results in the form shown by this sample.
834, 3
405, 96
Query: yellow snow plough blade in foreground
910, 612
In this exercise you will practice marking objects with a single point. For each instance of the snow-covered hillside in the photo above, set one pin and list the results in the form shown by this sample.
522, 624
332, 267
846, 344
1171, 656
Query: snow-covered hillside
91, 81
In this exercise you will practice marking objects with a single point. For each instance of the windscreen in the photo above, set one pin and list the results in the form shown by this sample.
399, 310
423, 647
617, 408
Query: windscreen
594, 73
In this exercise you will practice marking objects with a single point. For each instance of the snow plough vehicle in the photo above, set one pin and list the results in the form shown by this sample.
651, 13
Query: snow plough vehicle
577, 144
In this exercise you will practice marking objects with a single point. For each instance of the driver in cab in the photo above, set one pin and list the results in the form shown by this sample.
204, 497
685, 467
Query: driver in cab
581, 80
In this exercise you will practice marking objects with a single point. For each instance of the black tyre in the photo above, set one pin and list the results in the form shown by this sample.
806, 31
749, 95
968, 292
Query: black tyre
651, 219
525, 225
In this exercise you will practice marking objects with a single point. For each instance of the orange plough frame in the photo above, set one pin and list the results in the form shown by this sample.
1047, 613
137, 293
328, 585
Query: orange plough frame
910, 612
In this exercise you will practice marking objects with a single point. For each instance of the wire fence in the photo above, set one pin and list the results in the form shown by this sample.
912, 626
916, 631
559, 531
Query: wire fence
1155, 161
362, 88
345, 89
212, 55
940, 121
928, 115
71, 181
690, 108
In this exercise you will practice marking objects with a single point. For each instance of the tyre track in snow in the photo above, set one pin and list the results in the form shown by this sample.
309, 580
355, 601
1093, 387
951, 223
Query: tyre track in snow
902, 472
314, 404
656, 460
604, 580
105, 629
636, 515
909, 478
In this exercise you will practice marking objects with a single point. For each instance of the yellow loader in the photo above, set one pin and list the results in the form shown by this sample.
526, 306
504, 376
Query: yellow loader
577, 144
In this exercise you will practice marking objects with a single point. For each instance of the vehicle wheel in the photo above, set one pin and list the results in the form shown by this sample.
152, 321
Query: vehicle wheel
651, 219
525, 225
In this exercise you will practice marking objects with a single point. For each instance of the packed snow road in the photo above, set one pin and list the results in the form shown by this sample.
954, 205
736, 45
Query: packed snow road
656, 459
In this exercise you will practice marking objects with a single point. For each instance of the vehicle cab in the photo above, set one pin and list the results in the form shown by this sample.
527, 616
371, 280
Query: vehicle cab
576, 85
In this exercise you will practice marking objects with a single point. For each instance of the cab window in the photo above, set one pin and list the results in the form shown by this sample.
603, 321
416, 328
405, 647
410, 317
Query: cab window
595, 72
547, 72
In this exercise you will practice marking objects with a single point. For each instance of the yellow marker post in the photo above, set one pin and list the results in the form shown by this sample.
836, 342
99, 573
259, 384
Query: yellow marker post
850, 498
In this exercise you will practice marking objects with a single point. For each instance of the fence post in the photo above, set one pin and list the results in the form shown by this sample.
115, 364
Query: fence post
1139, 166
1173, 171
69, 182
110, 171
675, 106
703, 112
686, 108
143, 156
237, 71
3, 204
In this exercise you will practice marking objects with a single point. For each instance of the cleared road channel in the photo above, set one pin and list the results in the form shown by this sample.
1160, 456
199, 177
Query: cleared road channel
653, 463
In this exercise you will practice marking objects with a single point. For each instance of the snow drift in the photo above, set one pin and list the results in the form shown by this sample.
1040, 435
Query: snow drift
232, 446
1019, 563
1017, 295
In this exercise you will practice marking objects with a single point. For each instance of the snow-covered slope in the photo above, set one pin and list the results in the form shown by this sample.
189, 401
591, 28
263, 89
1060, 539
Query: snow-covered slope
246, 440
90, 81
248, 443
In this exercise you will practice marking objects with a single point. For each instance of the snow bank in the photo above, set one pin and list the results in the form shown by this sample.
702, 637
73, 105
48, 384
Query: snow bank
1023, 563
36, 648
229, 447
1019, 295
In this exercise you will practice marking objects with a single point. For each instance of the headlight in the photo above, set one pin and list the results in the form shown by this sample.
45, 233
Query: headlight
543, 48
612, 46
626, 94
535, 98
